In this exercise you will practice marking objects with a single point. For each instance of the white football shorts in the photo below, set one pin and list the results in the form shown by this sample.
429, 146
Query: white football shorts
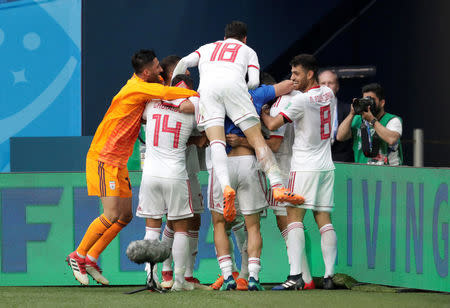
160, 196
226, 98
247, 180
316, 187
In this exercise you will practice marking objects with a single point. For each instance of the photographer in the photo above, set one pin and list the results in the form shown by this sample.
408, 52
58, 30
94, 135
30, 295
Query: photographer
376, 133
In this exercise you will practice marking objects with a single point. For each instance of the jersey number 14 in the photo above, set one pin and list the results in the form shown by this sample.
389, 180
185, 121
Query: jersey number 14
166, 129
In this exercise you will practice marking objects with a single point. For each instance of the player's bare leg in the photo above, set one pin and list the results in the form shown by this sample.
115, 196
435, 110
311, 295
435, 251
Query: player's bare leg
180, 249
223, 251
328, 243
269, 166
254, 246
216, 136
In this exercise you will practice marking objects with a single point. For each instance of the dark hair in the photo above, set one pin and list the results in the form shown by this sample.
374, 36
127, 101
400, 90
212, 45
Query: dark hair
183, 77
236, 29
266, 78
141, 58
167, 64
375, 88
307, 61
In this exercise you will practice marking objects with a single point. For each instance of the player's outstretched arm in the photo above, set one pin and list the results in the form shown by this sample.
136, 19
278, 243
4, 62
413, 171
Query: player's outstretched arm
190, 60
284, 87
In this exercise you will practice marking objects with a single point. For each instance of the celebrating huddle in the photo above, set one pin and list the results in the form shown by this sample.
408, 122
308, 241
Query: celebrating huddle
297, 115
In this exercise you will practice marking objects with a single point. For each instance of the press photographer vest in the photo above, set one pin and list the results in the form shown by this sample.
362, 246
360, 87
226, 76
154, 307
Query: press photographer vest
384, 151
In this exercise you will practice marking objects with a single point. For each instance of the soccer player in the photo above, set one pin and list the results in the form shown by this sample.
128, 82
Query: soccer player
250, 184
312, 169
153, 226
223, 66
165, 186
106, 171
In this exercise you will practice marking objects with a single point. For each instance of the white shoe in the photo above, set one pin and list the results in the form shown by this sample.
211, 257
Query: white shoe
95, 272
78, 267
182, 286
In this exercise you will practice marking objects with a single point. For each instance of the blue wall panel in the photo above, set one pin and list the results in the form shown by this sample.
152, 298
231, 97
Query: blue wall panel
40, 93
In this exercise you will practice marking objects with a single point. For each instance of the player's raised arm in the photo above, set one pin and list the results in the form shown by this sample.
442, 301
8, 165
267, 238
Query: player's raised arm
190, 60
253, 71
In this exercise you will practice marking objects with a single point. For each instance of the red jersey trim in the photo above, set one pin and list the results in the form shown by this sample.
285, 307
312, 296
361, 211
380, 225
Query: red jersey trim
254, 66
286, 117
198, 53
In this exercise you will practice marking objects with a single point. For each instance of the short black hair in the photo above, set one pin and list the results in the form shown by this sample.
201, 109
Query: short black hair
167, 63
375, 88
183, 77
141, 58
266, 78
307, 61
236, 29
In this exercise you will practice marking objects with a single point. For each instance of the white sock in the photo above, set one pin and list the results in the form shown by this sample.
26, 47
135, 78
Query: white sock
180, 252
167, 237
306, 273
193, 249
152, 234
254, 266
295, 246
269, 165
240, 234
329, 248
219, 161
284, 234
225, 265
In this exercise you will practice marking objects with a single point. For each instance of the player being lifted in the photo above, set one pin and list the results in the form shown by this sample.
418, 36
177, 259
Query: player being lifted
223, 66
106, 162
165, 185
312, 169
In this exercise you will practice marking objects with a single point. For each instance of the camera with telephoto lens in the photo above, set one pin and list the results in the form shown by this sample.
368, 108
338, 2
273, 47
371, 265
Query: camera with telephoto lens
361, 105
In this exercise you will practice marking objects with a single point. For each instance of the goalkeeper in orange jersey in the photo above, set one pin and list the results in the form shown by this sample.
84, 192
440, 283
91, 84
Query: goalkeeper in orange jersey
106, 162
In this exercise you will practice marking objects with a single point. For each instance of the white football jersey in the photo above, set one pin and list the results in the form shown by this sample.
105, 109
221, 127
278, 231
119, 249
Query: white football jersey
312, 113
225, 60
167, 132
284, 154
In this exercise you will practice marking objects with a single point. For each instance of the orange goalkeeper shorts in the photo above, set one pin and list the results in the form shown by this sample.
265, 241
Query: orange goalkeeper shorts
104, 180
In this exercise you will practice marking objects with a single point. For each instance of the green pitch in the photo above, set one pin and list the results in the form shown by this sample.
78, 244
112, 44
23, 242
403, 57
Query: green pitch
114, 297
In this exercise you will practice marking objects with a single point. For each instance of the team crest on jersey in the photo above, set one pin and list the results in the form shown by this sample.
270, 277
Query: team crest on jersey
112, 185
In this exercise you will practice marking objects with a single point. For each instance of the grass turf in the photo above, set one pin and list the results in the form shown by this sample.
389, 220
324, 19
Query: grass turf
115, 297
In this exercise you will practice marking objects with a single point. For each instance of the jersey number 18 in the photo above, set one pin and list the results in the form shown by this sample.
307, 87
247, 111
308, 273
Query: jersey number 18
231, 50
